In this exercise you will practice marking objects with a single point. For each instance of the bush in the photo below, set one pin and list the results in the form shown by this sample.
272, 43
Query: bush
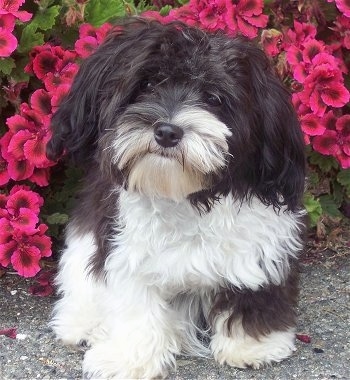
42, 43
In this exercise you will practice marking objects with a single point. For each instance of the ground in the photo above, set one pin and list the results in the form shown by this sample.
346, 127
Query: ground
323, 316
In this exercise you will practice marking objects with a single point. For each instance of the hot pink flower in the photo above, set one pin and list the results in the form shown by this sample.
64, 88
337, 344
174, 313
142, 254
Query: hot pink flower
249, 17
312, 125
336, 142
323, 86
53, 80
11, 7
343, 6
300, 33
4, 175
23, 197
40, 176
342, 26
20, 170
7, 22
25, 260
8, 43
45, 62
86, 46
59, 95
40, 102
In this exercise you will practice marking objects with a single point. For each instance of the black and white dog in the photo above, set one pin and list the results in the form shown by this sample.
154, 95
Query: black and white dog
189, 224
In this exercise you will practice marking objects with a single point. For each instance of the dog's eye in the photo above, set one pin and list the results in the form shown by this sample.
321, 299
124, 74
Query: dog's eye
213, 100
147, 85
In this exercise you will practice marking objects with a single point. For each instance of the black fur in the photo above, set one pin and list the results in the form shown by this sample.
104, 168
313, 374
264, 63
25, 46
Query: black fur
189, 65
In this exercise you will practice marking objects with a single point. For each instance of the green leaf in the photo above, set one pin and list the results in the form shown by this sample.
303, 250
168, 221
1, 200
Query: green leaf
6, 65
46, 18
18, 74
57, 218
164, 11
30, 38
329, 206
325, 163
313, 208
97, 12
344, 179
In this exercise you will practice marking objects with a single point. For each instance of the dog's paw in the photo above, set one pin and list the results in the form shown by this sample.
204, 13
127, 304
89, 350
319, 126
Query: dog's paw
244, 351
108, 361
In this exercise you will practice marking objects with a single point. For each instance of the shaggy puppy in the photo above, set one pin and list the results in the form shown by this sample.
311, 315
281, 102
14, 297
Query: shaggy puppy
186, 233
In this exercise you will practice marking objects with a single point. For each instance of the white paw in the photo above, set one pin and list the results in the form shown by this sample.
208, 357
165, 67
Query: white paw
243, 351
108, 361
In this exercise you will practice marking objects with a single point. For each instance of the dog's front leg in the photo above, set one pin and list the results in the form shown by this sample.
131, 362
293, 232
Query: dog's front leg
142, 338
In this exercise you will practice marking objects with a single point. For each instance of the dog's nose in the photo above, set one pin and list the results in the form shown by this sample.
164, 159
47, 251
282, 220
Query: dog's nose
168, 135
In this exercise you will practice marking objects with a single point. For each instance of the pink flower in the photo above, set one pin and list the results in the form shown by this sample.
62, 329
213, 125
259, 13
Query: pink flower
312, 125
8, 43
22, 196
4, 174
90, 38
324, 85
40, 102
249, 17
336, 142
342, 27
11, 7
86, 46
20, 170
343, 6
25, 259
7, 21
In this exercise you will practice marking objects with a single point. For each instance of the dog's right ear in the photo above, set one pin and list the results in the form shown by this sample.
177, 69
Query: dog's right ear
75, 125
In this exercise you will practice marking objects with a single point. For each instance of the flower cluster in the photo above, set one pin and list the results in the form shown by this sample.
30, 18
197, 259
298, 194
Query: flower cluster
22, 238
317, 72
22, 241
9, 13
23, 146
233, 17
320, 75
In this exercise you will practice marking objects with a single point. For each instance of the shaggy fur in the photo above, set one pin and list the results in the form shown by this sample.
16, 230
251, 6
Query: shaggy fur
188, 227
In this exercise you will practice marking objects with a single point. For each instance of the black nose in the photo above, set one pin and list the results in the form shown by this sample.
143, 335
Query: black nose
168, 135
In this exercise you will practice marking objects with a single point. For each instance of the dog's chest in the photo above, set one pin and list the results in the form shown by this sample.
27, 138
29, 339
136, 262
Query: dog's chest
172, 245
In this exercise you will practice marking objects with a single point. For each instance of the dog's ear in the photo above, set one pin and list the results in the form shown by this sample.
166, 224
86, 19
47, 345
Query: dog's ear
280, 162
103, 85
75, 124
275, 168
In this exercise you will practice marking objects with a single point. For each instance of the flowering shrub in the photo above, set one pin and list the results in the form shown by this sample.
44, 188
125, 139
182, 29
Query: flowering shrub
42, 43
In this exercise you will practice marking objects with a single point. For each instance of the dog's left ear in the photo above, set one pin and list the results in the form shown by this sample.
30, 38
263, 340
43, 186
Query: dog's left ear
280, 160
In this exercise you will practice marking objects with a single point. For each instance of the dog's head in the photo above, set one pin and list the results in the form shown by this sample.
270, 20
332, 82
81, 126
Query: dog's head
170, 111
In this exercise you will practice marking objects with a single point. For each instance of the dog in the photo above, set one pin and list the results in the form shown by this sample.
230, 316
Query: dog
189, 223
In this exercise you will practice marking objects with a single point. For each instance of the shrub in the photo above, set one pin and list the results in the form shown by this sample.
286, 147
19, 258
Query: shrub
42, 43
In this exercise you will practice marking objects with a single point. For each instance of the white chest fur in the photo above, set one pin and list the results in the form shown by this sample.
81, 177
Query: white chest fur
172, 245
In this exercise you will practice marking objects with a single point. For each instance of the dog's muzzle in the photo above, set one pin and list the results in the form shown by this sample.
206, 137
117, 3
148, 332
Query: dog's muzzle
168, 135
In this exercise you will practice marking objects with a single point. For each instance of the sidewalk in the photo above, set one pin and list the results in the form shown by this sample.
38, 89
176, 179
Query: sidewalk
323, 315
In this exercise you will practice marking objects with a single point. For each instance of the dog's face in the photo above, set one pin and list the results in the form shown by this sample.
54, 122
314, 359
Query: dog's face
173, 112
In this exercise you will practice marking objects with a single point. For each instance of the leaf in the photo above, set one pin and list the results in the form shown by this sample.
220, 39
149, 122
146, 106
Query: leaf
325, 163
329, 205
57, 218
164, 11
6, 65
46, 18
30, 38
97, 12
313, 208
343, 178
